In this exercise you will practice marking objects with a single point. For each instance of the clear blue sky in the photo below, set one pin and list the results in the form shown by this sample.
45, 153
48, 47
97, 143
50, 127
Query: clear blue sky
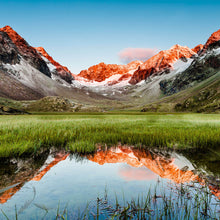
79, 34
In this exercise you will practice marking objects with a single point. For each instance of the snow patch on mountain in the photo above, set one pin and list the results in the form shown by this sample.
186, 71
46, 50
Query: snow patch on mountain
151, 88
53, 70
216, 51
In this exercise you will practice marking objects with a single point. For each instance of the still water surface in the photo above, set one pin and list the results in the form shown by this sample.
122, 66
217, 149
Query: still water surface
36, 189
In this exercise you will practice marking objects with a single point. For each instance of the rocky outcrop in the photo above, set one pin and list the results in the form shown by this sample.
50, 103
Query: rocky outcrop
5, 110
102, 71
198, 48
26, 51
161, 62
51, 104
212, 42
8, 51
59, 70
204, 66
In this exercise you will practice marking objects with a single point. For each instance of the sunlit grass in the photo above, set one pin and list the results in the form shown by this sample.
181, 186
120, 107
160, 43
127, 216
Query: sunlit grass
81, 133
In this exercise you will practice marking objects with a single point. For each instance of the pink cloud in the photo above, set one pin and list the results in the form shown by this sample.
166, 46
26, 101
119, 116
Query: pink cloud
130, 54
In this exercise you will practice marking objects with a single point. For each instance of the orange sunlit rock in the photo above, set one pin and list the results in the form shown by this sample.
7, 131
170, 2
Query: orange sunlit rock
198, 48
160, 62
58, 66
23, 47
102, 71
212, 39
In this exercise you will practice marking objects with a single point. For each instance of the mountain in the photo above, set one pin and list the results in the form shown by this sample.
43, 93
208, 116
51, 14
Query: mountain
37, 57
161, 62
30, 73
137, 71
198, 48
212, 42
55, 68
197, 88
102, 72
27, 73
25, 51
204, 66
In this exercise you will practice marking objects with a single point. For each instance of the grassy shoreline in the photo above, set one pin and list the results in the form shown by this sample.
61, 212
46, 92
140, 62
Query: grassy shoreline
27, 134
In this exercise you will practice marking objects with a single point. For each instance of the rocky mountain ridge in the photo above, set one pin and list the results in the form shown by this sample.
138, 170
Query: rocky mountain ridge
19, 48
29, 73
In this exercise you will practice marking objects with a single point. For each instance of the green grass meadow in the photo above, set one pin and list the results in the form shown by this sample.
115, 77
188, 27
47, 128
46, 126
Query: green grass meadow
27, 134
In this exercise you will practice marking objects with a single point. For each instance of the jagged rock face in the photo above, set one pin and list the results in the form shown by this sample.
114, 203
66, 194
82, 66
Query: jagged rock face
26, 51
60, 70
103, 71
204, 66
198, 48
212, 41
161, 62
8, 51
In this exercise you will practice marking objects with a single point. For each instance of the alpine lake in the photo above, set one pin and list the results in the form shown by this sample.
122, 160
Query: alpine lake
116, 166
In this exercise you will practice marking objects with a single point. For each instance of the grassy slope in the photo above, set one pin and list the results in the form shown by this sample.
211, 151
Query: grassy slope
10, 103
81, 133
194, 95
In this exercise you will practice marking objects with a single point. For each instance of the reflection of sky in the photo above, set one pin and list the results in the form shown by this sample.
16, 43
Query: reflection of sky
77, 183
135, 174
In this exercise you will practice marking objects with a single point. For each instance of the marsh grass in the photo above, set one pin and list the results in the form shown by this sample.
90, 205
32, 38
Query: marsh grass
169, 201
159, 203
174, 202
27, 134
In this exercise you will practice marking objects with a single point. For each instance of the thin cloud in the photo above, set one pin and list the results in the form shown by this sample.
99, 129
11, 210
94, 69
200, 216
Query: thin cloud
130, 54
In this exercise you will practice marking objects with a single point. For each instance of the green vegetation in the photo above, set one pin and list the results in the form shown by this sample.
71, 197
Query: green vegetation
202, 97
50, 104
28, 134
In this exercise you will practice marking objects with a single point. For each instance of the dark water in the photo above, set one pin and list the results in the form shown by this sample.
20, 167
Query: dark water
38, 188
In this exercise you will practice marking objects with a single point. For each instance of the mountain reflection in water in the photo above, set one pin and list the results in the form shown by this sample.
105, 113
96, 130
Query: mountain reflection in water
35, 176
164, 167
150, 165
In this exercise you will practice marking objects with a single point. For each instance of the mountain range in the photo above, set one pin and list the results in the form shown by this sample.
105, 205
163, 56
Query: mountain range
177, 79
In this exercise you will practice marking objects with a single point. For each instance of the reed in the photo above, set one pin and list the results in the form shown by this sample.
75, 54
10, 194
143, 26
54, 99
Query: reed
158, 203
175, 201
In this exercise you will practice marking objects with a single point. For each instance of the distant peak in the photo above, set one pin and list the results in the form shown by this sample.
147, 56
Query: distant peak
178, 47
61, 69
175, 46
42, 51
197, 48
15, 37
8, 30
161, 61
213, 38
7, 27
